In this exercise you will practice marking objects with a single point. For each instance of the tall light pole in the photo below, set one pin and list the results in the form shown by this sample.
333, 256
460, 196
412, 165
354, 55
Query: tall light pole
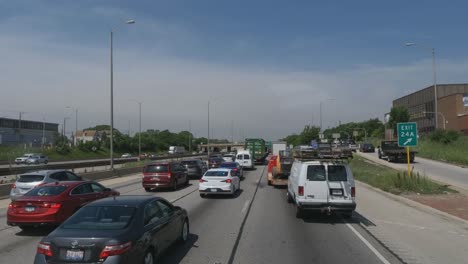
139, 130
329, 99
43, 133
440, 113
208, 140
434, 74
190, 136
76, 121
112, 96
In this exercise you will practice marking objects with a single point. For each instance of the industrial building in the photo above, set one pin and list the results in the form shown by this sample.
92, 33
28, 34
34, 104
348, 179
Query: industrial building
25, 132
452, 104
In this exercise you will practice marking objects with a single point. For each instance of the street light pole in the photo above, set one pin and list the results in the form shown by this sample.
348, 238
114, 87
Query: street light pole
43, 133
112, 96
208, 141
139, 133
190, 136
434, 73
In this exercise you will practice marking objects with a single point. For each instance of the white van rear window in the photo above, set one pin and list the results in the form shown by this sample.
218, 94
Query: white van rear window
316, 173
246, 156
337, 173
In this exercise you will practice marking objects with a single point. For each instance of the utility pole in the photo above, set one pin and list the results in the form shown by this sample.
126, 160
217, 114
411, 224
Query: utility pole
208, 143
190, 136
43, 133
232, 131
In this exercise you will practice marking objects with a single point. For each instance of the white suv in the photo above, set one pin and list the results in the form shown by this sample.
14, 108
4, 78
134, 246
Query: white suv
322, 185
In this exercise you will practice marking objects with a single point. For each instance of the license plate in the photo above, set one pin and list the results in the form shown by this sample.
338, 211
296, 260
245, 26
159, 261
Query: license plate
29, 208
214, 190
337, 192
74, 255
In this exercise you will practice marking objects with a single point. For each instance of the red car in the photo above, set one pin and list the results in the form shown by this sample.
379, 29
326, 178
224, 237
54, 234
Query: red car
164, 175
52, 203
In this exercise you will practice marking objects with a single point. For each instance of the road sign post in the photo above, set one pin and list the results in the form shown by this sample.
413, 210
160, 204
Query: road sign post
407, 137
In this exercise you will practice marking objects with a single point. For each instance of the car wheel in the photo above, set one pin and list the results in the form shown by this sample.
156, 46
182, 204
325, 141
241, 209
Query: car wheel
202, 195
149, 257
45, 162
174, 185
290, 199
148, 189
299, 212
184, 232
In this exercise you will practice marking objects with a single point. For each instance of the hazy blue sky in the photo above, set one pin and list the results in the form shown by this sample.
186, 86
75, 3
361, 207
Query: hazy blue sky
265, 65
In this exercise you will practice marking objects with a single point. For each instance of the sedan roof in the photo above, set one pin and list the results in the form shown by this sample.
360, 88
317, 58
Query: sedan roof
128, 200
42, 172
67, 183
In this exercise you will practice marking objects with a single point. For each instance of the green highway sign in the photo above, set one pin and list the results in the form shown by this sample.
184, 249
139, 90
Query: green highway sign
407, 134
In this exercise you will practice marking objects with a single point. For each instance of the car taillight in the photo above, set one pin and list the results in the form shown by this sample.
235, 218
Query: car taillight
115, 250
202, 180
228, 181
51, 205
13, 205
353, 191
235, 169
44, 249
300, 190
13, 186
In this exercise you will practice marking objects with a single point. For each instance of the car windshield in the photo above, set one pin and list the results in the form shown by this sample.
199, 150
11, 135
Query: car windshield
100, 218
337, 173
30, 178
46, 191
156, 168
216, 173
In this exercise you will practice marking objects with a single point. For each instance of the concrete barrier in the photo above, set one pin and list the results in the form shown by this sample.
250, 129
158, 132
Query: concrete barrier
92, 176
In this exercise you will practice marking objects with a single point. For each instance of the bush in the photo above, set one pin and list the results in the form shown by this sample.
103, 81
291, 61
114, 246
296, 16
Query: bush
89, 146
63, 149
444, 136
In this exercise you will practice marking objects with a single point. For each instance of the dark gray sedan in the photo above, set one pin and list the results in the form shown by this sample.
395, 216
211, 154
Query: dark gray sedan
123, 229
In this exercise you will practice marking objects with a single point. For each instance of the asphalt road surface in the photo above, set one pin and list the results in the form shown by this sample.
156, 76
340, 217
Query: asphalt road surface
255, 226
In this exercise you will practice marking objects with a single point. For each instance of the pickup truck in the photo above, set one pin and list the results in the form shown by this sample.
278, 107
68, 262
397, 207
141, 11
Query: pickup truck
390, 150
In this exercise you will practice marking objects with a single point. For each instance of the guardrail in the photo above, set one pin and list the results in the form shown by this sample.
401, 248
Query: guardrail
81, 164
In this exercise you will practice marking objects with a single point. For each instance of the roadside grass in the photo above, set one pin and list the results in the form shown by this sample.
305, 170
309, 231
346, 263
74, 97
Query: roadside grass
10, 153
455, 152
394, 181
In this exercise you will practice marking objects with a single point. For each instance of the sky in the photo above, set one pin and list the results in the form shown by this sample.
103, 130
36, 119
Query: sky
265, 66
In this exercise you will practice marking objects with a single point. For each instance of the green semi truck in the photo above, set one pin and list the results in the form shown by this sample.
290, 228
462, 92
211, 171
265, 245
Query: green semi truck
257, 148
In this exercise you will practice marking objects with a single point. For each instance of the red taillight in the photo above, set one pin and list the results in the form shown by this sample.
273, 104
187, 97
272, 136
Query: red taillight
228, 181
353, 191
44, 249
115, 250
202, 180
51, 205
235, 169
13, 186
13, 205
300, 190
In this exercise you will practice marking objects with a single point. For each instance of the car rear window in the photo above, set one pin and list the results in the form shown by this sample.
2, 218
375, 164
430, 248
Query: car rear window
228, 165
30, 178
100, 218
189, 162
216, 173
316, 173
156, 168
46, 191
337, 173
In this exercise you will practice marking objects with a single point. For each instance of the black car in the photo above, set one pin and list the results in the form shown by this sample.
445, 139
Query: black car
195, 168
215, 162
123, 229
367, 147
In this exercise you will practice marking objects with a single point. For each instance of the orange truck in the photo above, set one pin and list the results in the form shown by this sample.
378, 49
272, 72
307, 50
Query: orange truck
279, 168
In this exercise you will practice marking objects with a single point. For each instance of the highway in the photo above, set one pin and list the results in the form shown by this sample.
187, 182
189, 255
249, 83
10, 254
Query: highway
256, 226
443, 172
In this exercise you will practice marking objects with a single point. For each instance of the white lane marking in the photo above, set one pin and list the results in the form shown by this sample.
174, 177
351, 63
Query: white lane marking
382, 258
246, 205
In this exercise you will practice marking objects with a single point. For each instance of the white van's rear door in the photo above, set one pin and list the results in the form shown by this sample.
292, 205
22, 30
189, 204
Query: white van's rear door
316, 186
339, 185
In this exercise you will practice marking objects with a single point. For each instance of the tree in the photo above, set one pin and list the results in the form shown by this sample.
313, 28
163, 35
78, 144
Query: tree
398, 114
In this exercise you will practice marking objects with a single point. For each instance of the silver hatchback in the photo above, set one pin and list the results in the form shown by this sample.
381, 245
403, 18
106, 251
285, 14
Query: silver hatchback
30, 180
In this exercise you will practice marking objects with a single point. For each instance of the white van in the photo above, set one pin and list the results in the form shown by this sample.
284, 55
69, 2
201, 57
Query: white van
323, 186
245, 159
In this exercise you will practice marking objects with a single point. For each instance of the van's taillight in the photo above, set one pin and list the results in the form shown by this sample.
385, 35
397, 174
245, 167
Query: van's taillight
353, 191
228, 181
115, 250
300, 190
44, 249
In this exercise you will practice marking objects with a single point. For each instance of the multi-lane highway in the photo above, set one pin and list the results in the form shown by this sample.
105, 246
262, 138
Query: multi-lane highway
256, 226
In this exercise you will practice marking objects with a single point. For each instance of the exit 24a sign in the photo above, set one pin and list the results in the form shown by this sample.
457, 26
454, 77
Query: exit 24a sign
407, 134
